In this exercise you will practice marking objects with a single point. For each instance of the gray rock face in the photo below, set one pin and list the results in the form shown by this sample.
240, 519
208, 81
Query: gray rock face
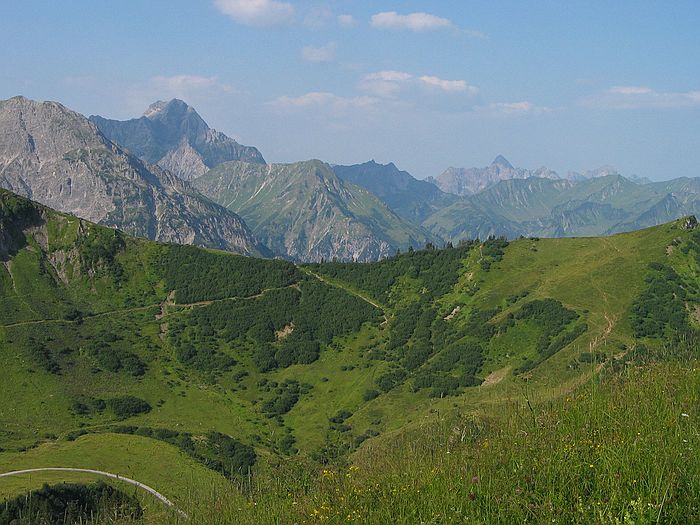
172, 135
55, 156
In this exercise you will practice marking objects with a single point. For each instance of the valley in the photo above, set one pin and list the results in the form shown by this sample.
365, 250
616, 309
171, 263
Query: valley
234, 367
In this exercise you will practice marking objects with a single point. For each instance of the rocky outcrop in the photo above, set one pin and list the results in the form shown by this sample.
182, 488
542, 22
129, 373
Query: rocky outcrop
172, 135
55, 156
689, 223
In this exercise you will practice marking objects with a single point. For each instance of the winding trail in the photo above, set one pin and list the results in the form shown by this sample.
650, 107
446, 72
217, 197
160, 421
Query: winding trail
138, 484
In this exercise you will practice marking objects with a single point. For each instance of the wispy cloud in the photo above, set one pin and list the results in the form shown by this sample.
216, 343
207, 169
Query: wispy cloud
390, 82
319, 54
346, 20
641, 97
257, 12
448, 85
418, 22
513, 109
630, 90
323, 100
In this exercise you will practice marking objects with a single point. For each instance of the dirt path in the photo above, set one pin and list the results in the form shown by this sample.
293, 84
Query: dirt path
163, 306
138, 484
93, 316
496, 376
598, 340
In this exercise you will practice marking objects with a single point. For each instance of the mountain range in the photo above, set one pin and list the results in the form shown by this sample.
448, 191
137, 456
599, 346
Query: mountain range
414, 200
57, 157
470, 181
564, 208
168, 176
305, 211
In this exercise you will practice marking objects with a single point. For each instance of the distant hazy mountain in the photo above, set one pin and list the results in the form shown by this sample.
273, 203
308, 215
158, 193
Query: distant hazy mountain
603, 171
600, 205
469, 181
414, 200
303, 210
57, 157
172, 135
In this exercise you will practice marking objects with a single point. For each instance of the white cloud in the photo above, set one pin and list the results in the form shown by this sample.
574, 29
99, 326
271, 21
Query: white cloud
414, 22
390, 82
346, 20
641, 97
319, 54
322, 100
389, 76
448, 85
513, 109
384, 83
257, 12
630, 90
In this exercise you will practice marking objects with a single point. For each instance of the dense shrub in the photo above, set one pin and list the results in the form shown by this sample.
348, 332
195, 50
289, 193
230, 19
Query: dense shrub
317, 312
127, 406
388, 380
452, 369
44, 357
286, 395
203, 357
436, 269
114, 359
70, 503
98, 249
369, 395
199, 275
660, 310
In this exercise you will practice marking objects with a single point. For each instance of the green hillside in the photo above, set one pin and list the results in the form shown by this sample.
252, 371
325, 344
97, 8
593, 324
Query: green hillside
248, 368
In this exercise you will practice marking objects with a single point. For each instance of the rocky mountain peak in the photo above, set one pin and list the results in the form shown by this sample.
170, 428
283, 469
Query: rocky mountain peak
501, 161
43, 130
155, 108
173, 135
174, 105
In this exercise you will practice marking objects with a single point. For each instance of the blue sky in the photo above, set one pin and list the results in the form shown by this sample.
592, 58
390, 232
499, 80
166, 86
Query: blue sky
424, 84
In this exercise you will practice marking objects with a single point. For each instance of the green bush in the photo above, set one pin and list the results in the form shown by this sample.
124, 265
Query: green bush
70, 503
127, 406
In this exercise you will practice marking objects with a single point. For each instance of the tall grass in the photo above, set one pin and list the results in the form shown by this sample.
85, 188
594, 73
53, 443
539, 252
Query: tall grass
622, 449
